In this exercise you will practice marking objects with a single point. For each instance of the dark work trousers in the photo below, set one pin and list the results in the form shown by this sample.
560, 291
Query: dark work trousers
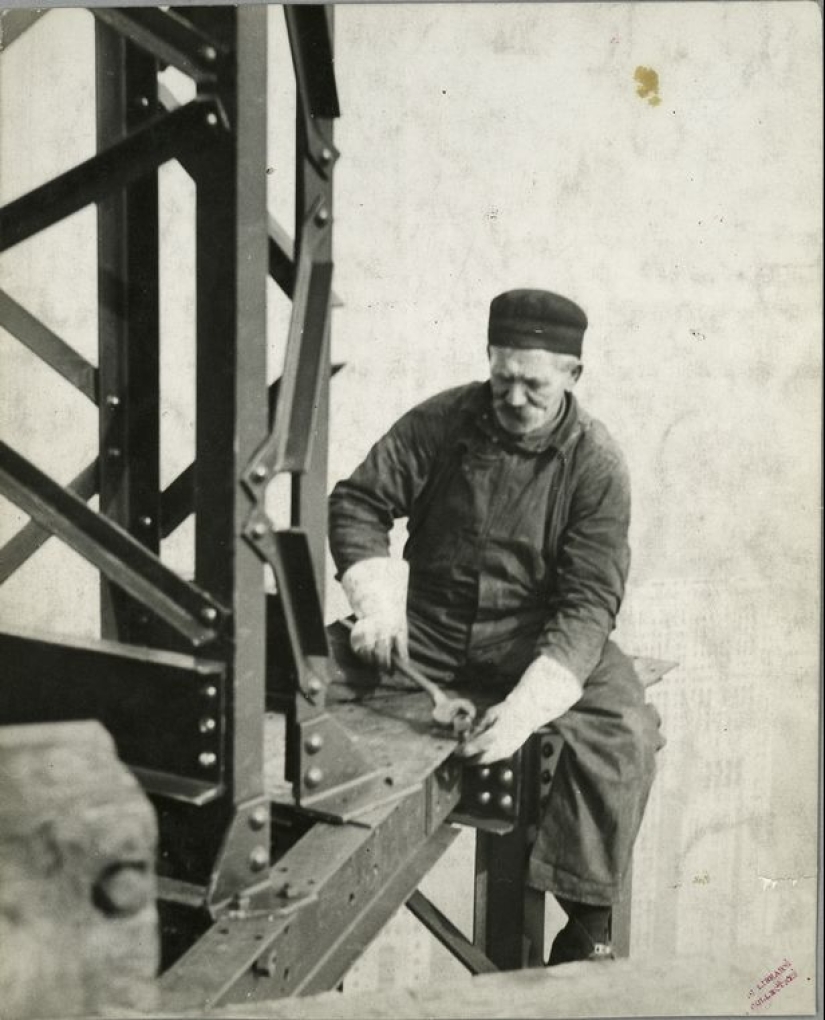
603, 776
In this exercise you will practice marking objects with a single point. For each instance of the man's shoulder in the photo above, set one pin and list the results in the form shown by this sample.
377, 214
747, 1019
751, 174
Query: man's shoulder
451, 402
597, 444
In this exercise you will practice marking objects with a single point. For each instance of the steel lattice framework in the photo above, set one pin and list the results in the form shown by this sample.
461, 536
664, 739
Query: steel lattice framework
257, 898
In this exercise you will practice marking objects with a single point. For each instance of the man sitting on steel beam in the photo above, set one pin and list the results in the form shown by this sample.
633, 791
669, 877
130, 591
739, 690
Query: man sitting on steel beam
518, 506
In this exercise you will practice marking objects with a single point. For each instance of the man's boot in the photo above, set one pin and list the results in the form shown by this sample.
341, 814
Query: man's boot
586, 936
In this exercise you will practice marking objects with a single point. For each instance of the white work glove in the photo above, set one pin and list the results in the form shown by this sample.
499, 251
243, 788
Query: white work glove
377, 592
545, 691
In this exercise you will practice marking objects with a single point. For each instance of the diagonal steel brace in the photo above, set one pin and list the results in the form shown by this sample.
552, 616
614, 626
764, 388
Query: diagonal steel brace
114, 552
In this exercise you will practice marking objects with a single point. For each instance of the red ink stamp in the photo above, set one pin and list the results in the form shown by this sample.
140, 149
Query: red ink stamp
771, 984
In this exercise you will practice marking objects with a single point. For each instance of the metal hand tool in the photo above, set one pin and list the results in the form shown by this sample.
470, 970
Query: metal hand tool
457, 713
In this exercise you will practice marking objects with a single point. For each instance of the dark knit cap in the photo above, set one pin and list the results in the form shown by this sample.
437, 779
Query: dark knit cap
537, 318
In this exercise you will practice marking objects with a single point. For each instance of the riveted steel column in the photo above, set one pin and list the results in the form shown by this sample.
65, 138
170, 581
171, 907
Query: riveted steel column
314, 184
232, 403
128, 325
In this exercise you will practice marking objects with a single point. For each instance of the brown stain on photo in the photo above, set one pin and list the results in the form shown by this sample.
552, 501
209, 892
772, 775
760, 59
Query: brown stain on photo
648, 85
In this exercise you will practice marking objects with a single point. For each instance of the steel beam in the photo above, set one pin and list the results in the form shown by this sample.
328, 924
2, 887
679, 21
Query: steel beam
48, 346
128, 325
166, 137
231, 238
440, 926
31, 536
13, 23
329, 895
508, 922
108, 547
127, 689
168, 36
177, 501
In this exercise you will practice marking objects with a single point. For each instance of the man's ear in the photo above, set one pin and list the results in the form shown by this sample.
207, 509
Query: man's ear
576, 374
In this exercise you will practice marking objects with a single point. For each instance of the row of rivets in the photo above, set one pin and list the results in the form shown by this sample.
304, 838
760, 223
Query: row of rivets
505, 775
503, 801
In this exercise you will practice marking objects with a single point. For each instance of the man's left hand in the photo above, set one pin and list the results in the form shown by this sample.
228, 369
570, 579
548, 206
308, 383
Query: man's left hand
545, 691
498, 735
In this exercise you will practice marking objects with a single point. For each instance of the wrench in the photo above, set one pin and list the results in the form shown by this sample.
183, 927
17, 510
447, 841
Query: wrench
457, 713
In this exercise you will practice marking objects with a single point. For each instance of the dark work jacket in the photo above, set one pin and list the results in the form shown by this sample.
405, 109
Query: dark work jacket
517, 546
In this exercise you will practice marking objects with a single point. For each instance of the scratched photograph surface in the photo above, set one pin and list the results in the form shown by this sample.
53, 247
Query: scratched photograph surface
660, 164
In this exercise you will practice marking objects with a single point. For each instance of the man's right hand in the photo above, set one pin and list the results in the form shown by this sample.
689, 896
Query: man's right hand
377, 591
376, 640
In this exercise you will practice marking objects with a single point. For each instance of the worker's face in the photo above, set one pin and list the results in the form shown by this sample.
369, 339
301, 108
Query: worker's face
529, 385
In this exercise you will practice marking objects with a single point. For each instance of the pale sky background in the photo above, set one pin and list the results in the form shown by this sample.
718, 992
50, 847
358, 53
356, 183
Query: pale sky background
491, 146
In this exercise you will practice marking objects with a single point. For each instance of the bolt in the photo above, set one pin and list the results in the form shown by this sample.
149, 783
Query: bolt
505, 802
259, 817
207, 725
259, 859
209, 614
122, 889
506, 777
314, 777
210, 692
212, 119
314, 743
327, 155
259, 474
265, 965
484, 797
112, 400
209, 53
258, 530
207, 759
322, 216
240, 903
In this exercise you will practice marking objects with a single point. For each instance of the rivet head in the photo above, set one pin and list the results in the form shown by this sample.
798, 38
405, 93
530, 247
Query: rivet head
114, 452
484, 773
505, 802
112, 400
547, 749
209, 53
142, 102
145, 521
314, 777
506, 777
212, 119
211, 691
258, 530
207, 759
322, 216
207, 725
327, 155
209, 614
314, 685
259, 474
314, 743
259, 858
484, 797
259, 817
